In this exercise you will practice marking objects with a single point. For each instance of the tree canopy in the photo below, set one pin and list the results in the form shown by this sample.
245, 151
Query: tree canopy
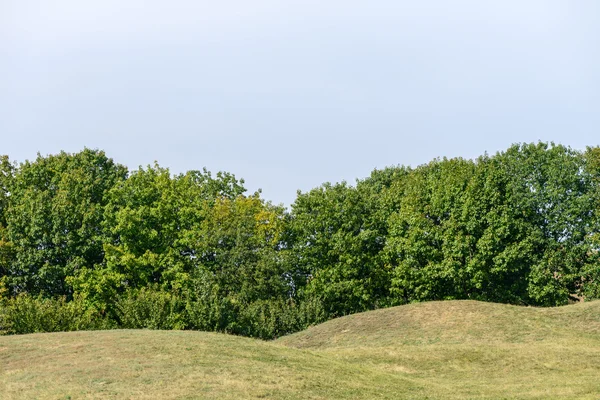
521, 226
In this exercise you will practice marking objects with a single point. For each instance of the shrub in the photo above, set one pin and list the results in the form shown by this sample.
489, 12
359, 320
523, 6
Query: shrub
152, 309
27, 314
269, 319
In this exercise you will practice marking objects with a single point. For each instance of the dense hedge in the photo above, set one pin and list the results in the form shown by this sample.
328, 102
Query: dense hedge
85, 244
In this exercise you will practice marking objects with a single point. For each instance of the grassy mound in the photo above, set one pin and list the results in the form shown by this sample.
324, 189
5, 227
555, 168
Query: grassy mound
454, 350
469, 349
176, 365
453, 322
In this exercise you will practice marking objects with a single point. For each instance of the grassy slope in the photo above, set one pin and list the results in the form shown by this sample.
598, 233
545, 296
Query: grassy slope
459, 349
175, 365
468, 349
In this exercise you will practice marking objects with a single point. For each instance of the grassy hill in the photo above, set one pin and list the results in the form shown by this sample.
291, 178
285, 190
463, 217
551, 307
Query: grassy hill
453, 350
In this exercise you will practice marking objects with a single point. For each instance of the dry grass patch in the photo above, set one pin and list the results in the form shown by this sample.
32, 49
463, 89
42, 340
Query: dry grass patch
437, 350
146, 364
469, 349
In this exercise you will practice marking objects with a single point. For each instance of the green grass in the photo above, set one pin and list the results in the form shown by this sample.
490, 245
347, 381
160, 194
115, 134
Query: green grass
437, 350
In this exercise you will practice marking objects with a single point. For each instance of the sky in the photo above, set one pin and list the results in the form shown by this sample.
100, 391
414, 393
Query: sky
290, 94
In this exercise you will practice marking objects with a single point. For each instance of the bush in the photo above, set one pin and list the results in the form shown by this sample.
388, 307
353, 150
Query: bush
270, 319
209, 309
26, 314
152, 309
213, 313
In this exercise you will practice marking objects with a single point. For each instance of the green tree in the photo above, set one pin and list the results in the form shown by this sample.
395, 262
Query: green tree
150, 215
6, 176
515, 227
551, 187
337, 235
428, 244
589, 285
54, 219
6, 251
240, 262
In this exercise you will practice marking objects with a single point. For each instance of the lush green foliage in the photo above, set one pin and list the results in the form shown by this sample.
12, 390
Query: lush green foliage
149, 249
337, 234
54, 217
152, 309
26, 314
513, 228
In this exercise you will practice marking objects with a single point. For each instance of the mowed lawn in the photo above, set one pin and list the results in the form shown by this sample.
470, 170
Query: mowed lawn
435, 350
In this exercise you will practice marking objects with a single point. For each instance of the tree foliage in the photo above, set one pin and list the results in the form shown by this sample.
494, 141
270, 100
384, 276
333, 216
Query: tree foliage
514, 228
148, 219
337, 234
54, 218
84, 243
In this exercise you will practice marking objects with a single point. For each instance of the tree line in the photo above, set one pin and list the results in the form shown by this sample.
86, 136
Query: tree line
87, 244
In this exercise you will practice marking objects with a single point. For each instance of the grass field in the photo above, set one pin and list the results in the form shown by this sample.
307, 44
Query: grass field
436, 350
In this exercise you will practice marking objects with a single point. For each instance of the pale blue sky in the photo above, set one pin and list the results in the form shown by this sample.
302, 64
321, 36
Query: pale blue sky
289, 94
